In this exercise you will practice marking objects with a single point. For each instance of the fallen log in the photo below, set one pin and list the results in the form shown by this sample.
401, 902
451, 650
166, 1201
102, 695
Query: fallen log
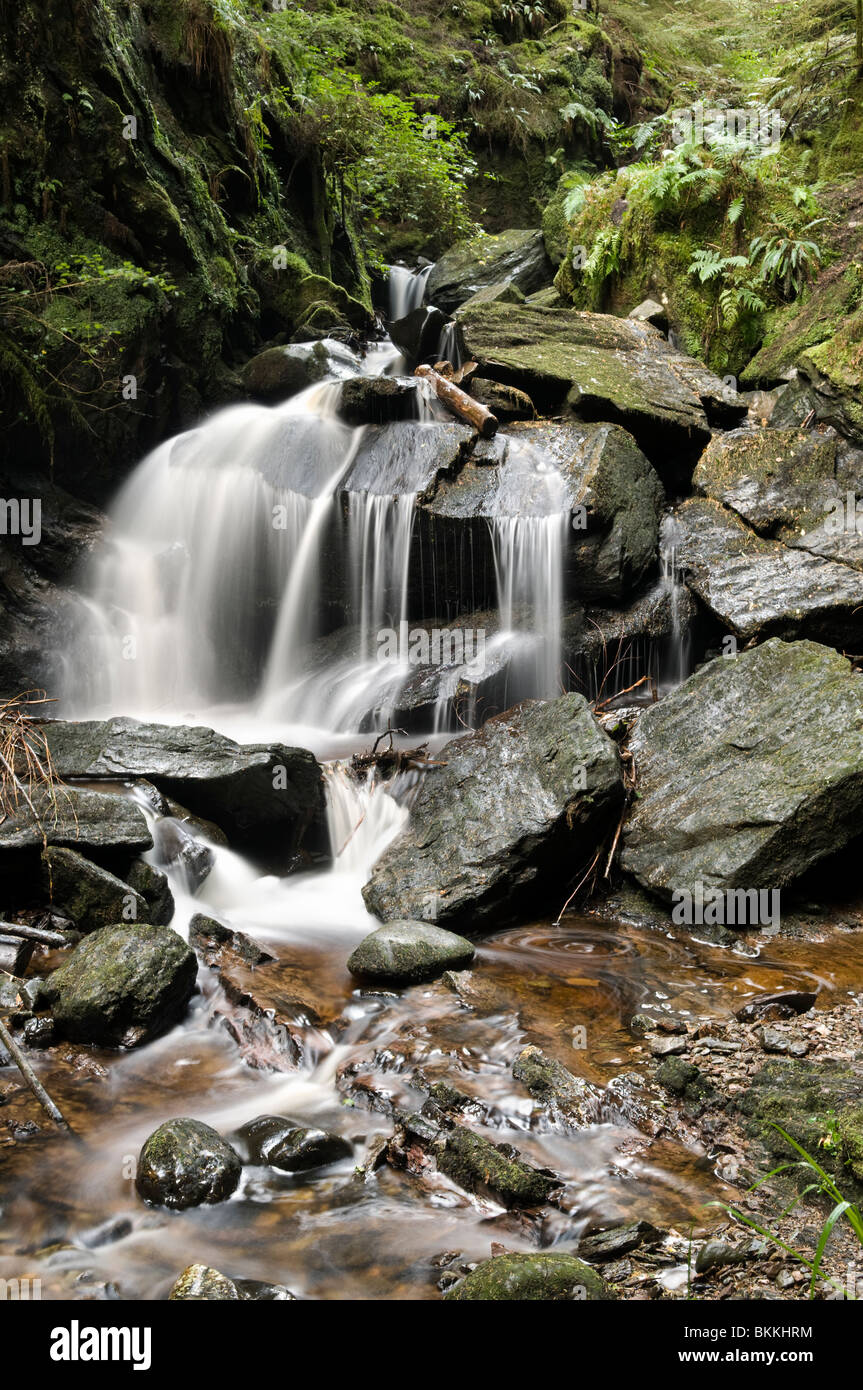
459, 402
45, 938
31, 1078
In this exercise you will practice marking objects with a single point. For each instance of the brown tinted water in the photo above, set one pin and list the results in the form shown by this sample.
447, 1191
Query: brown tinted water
339, 1235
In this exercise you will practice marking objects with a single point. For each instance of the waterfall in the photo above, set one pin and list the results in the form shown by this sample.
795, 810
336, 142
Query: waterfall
679, 658
448, 346
406, 290
529, 534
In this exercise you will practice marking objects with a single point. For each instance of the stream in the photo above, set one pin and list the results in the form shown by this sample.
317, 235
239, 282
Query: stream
213, 601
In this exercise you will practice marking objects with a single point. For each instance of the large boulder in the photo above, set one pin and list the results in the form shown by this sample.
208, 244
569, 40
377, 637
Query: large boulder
95, 823
186, 1163
593, 474
760, 588
749, 773
280, 372
123, 985
550, 1276
88, 894
251, 791
510, 815
405, 457
513, 257
376, 400
802, 487
403, 953
418, 334
606, 369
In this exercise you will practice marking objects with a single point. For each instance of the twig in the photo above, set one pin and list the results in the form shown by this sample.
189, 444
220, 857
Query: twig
31, 1078
45, 938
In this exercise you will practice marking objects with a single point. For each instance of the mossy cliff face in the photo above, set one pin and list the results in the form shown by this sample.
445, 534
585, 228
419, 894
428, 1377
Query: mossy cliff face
157, 225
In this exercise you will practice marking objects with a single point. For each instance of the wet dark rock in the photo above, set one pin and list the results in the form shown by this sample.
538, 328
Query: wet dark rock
749, 773
368, 400
604, 368
279, 1143
90, 896
504, 820
684, 1079
123, 985
36, 606
417, 335
406, 952
758, 588
186, 1163
619, 1240
153, 887
92, 823
506, 402
176, 848
257, 793
280, 372
401, 458
211, 939
512, 257
718, 1254
776, 480
200, 1283
549, 1276
39, 1032
667, 1047
790, 1002
606, 484
476, 1164
568, 1097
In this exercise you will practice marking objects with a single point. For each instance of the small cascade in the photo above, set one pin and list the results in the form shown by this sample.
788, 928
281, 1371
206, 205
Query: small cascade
406, 290
449, 349
679, 659
529, 546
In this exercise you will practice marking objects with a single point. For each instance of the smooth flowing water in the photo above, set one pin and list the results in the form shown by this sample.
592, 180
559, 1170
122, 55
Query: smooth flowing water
212, 601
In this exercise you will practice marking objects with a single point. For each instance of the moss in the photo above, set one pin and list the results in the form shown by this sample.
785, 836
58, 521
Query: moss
473, 1162
549, 1277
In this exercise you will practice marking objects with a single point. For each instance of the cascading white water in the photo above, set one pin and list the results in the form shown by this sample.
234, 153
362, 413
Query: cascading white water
406, 290
679, 660
529, 560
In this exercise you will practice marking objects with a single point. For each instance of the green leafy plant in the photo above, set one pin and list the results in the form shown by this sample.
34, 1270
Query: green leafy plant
787, 260
822, 1185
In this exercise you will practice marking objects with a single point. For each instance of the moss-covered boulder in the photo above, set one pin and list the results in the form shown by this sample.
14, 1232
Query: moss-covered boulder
851, 1137
280, 372
476, 1164
567, 1097
186, 1163
91, 896
123, 985
513, 257
749, 773
504, 818
402, 953
762, 588
547, 1277
603, 368
252, 791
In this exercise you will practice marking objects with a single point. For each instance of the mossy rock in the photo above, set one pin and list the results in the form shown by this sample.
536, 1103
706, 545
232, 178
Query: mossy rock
91, 896
851, 1135
549, 1277
123, 985
185, 1163
407, 952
